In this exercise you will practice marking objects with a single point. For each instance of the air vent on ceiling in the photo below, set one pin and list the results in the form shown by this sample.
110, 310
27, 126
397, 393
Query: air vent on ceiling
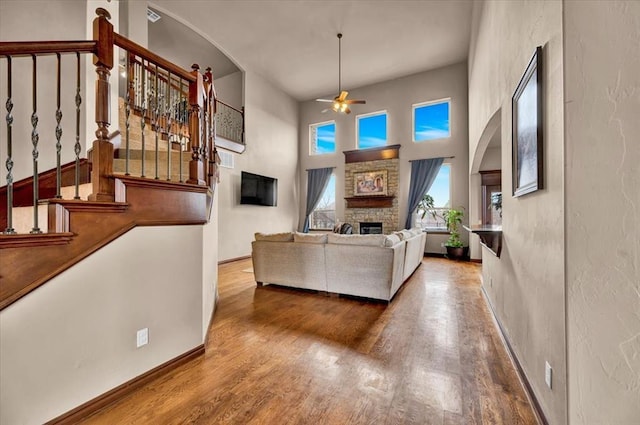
152, 15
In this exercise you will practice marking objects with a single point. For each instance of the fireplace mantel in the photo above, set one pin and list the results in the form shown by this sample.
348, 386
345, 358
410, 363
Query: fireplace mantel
370, 201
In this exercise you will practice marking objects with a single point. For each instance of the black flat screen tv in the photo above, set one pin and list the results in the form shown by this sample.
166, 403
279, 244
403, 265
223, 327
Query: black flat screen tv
258, 190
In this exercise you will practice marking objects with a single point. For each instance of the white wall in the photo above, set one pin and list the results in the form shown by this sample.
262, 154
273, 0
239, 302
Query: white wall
75, 337
525, 285
602, 90
271, 119
396, 97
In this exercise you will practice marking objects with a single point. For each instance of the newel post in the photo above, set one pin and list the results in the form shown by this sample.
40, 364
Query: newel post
102, 155
196, 91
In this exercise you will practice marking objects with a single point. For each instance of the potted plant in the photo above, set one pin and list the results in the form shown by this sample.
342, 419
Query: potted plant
455, 248
496, 202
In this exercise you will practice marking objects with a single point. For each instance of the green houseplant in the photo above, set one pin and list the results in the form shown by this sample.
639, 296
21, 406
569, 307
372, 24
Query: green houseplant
454, 245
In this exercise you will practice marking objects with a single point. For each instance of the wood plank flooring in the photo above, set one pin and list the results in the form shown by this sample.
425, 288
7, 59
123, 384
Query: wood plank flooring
282, 356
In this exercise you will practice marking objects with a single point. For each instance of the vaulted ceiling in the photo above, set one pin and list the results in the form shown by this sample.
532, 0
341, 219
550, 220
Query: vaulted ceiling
294, 44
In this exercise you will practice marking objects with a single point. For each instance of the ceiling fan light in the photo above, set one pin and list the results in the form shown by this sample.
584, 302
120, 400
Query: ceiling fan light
336, 106
343, 107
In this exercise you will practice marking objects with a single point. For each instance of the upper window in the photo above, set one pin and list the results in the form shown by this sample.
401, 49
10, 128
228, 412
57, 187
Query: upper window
323, 216
440, 191
431, 120
371, 130
322, 138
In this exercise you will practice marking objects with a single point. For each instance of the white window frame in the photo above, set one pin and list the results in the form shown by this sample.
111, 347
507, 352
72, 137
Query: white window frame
413, 118
370, 114
321, 124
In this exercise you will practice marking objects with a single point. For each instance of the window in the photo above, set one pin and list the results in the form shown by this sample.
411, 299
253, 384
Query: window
440, 191
322, 138
324, 216
431, 121
371, 130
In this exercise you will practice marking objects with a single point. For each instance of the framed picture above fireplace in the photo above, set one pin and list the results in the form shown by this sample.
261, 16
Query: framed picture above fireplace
370, 183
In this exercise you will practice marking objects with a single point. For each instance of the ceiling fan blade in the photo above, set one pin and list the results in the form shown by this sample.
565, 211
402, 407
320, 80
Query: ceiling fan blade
324, 111
323, 100
343, 95
355, 102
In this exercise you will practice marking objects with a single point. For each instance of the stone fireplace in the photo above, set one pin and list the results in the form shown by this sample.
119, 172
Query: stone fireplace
381, 210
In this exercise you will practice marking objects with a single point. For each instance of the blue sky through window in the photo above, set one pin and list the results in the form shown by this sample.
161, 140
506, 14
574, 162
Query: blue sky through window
324, 141
431, 121
372, 131
440, 189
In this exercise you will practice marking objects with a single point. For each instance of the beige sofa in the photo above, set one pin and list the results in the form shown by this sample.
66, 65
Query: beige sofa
371, 266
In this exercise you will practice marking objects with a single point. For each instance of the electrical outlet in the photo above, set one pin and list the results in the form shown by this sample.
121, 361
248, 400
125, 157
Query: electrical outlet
142, 337
547, 373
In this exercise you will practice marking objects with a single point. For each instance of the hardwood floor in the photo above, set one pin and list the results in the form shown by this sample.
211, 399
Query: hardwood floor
283, 356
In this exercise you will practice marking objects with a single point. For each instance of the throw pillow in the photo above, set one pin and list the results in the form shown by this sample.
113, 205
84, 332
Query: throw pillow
365, 240
391, 240
274, 237
320, 238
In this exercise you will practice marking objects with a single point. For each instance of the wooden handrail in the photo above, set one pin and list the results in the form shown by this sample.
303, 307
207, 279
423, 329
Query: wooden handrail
28, 48
148, 55
229, 106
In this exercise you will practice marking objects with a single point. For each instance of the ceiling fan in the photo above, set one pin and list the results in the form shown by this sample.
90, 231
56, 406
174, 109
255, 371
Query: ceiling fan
340, 102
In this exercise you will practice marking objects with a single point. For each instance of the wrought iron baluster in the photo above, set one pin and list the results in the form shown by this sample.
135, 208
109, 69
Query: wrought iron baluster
58, 130
127, 112
34, 141
168, 112
156, 111
143, 71
77, 147
9, 230
181, 128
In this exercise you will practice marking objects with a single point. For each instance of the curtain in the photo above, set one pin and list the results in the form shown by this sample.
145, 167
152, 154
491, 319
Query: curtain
423, 173
317, 181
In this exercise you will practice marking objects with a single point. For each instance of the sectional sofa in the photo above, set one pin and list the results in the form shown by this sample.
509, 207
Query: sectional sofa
371, 266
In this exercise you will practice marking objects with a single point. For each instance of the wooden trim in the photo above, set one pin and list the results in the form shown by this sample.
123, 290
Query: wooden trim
476, 260
28, 240
93, 406
28, 48
370, 201
148, 55
146, 183
372, 154
231, 260
524, 381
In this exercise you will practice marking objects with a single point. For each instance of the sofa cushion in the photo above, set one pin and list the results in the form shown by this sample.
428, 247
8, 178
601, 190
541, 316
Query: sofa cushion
274, 237
415, 231
391, 240
406, 234
310, 237
364, 240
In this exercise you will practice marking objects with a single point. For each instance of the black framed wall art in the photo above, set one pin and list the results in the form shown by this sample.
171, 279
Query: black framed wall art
527, 138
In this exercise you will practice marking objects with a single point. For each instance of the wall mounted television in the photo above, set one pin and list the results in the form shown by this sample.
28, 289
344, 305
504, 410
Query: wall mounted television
258, 190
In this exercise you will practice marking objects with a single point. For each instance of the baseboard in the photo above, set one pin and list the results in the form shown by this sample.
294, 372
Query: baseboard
231, 260
93, 406
476, 260
524, 381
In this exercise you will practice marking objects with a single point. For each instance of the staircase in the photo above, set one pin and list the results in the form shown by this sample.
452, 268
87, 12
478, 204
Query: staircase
160, 170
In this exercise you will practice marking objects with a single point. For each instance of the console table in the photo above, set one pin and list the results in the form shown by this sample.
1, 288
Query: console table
490, 237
